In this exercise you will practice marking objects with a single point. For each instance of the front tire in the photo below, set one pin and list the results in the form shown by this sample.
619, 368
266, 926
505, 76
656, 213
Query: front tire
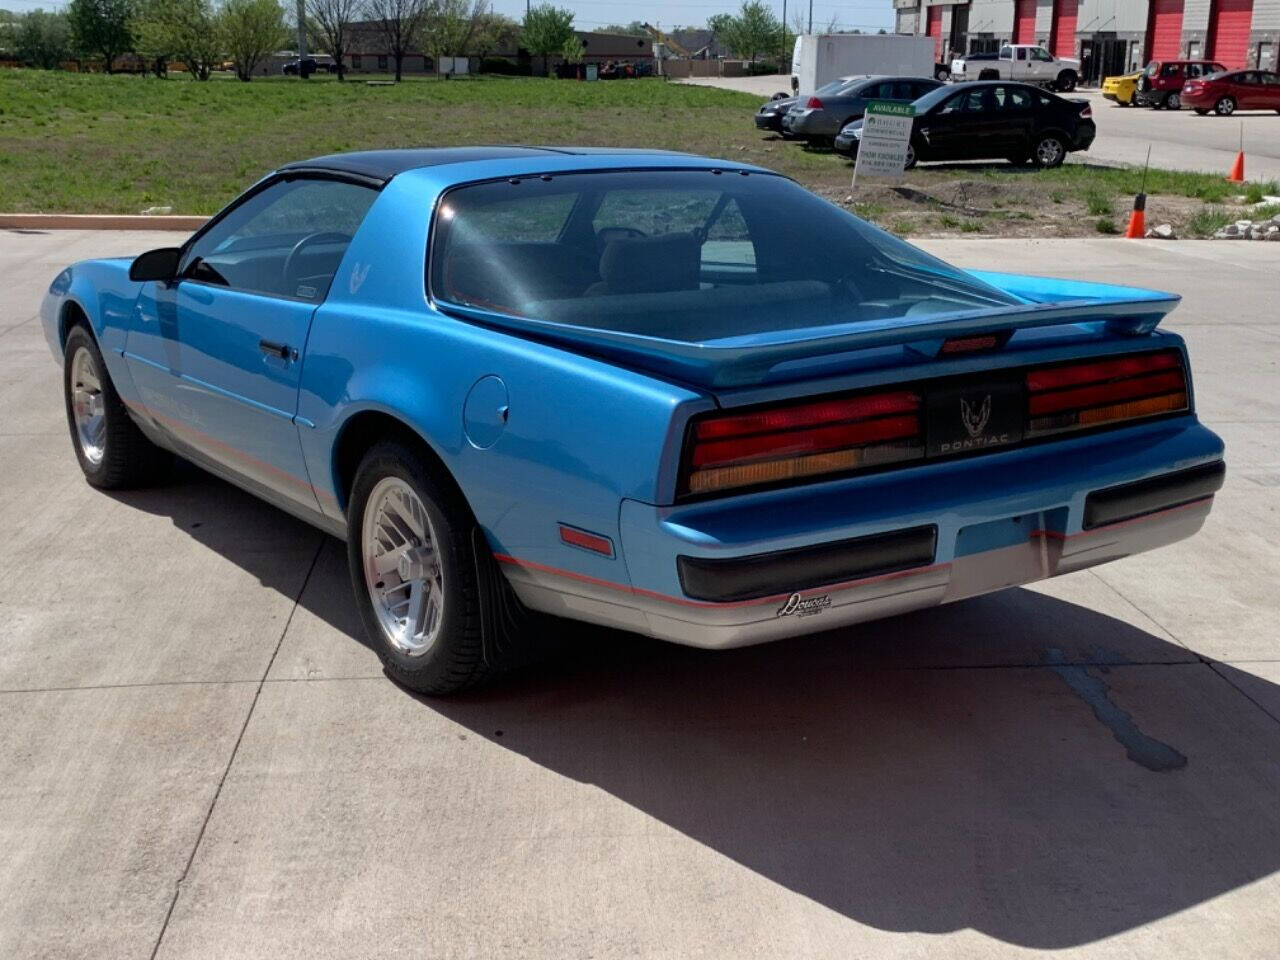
1173, 102
413, 572
112, 451
1049, 152
911, 157
1225, 107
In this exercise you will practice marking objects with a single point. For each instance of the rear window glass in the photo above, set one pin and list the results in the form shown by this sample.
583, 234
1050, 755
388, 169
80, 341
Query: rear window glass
689, 255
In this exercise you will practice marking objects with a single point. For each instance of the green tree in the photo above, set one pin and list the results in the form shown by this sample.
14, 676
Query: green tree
399, 22
249, 30
185, 30
42, 39
574, 50
495, 34
101, 28
451, 27
546, 30
755, 29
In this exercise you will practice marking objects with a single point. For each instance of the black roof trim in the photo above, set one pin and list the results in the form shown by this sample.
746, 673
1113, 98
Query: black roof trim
382, 165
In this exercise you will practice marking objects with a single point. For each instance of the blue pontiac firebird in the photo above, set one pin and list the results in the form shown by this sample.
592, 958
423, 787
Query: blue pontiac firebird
679, 396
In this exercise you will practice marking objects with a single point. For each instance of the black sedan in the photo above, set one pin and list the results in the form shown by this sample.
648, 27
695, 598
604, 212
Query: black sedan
820, 117
991, 120
770, 114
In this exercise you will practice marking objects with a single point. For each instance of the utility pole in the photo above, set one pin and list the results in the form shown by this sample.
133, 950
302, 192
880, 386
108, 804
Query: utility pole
783, 55
302, 37
810, 16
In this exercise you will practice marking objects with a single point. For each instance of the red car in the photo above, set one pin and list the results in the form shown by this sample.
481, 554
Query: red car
1225, 93
1161, 82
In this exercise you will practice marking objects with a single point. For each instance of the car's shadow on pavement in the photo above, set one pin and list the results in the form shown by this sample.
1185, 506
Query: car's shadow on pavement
1017, 765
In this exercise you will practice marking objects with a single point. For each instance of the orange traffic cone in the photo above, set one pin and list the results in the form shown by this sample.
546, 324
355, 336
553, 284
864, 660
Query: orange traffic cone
1237, 169
1138, 219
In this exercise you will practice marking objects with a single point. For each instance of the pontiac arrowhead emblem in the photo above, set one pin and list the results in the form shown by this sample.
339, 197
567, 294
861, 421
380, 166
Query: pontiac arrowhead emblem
975, 421
358, 273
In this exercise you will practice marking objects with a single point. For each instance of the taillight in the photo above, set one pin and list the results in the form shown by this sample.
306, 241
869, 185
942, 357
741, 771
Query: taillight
1100, 392
1087, 112
814, 104
800, 440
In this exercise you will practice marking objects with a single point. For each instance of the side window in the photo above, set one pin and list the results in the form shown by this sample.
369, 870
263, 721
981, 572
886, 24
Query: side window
1013, 99
1271, 79
978, 101
285, 241
954, 105
1171, 70
523, 220
1006, 53
1249, 77
1039, 53
1022, 53
1193, 69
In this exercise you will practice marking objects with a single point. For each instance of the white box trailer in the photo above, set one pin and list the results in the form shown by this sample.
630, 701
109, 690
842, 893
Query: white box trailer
820, 58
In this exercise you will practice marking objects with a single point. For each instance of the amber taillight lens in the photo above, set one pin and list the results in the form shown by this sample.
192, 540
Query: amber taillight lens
1101, 392
801, 440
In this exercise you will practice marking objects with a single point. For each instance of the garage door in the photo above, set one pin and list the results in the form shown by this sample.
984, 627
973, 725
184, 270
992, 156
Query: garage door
1062, 39
1164, 30
935, 30
1024, 21
1229, 32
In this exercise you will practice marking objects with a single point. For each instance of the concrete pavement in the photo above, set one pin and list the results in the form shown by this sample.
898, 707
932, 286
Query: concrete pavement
199, 756
1178, 140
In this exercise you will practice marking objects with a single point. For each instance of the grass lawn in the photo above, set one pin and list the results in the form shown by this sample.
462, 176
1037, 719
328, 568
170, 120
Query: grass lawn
92, 143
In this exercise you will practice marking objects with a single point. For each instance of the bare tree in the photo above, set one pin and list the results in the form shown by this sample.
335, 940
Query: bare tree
329, 23
400, 23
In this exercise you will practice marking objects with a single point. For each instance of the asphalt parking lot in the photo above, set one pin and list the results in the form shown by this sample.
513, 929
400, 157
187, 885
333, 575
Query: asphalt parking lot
1179, 140
199, 756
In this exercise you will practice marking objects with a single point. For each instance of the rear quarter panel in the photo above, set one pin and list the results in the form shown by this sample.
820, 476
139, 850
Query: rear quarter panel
580, 435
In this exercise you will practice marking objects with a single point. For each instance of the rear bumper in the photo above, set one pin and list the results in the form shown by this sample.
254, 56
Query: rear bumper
784, 563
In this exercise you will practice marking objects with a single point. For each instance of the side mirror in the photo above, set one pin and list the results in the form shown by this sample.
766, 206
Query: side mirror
159, 264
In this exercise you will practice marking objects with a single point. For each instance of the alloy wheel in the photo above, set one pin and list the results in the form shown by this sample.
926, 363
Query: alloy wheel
1049, 152
88, 408
1225, 107
402, 568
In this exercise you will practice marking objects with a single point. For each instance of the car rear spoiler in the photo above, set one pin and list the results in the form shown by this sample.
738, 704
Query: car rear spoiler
749, 360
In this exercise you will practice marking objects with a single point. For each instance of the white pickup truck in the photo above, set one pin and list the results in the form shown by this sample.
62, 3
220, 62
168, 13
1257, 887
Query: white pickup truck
1025, 62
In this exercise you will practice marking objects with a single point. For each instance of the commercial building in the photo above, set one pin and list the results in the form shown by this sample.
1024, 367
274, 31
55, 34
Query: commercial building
1107, 36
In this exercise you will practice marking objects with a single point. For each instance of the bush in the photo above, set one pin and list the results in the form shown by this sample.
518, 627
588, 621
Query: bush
505, 67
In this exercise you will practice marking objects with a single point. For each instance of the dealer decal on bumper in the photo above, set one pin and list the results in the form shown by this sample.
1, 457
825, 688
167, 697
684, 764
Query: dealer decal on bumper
796, 606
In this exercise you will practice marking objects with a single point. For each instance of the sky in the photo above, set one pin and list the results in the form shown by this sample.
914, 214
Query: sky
592, 14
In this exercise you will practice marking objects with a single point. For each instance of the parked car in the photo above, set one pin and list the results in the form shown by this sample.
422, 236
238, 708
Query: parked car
771, 112
628, 388
819, 118
1225, 93
1025, 62
1160, 84
307, 66
1120, 90
987, 121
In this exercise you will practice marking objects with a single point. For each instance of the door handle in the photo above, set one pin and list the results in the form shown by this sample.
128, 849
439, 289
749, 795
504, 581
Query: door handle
273, 349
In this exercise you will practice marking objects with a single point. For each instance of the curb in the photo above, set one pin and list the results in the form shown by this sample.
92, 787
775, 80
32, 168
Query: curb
97, 221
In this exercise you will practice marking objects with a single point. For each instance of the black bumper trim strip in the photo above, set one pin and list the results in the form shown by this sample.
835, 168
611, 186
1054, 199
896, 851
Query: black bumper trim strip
804, 568
1130, 500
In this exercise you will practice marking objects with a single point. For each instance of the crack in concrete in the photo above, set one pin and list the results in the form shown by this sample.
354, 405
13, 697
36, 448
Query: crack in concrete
1144, 750
177, 887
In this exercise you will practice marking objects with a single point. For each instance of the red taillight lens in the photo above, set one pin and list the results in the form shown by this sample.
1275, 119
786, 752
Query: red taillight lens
1092, 394
814, 104
1087, 112
801, 440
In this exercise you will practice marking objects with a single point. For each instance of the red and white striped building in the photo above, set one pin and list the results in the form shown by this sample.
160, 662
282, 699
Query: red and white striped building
1108, 36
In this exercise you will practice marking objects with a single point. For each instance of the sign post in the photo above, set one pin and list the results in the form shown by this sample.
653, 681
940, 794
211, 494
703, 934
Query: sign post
886, 134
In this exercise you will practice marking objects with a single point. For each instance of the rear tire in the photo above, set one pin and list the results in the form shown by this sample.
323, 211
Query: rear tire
911, 157
1173, 102
1225, 107
112, 451
421, 605
1049, 152
1066, 81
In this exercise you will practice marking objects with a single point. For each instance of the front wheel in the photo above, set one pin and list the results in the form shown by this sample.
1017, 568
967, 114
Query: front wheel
112, 451
1173, 102
1225, 107
1050, 151
413, 572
